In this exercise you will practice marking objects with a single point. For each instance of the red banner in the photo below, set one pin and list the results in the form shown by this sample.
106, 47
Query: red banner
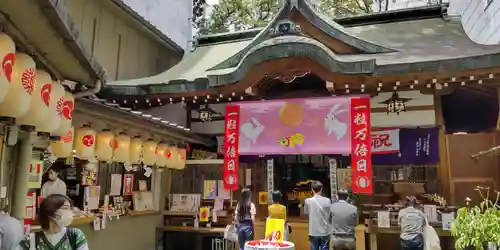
361, 161
231, 138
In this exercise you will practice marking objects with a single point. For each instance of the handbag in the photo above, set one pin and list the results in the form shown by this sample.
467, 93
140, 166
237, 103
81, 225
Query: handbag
230, 233
431, 238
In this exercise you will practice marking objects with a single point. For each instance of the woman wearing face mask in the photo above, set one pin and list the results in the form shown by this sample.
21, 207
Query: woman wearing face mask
55, 215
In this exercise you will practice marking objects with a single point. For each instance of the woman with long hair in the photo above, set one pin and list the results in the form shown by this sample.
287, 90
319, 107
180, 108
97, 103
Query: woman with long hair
55, 215
245, 217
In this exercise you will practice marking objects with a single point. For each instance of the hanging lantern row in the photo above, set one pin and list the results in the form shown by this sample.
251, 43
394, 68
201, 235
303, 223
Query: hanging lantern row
145, 115
86, 144
415, 83
29, 95
193, 99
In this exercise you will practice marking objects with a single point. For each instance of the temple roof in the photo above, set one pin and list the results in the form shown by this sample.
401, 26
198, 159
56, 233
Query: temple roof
384, 47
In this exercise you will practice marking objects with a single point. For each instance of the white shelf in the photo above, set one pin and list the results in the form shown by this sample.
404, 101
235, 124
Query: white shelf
205, 162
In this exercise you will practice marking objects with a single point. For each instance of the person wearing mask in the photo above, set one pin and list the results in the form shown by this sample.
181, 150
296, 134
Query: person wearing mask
412, 222
244, 217
11, 232
344, 220
55, 215
318, 210
278, 211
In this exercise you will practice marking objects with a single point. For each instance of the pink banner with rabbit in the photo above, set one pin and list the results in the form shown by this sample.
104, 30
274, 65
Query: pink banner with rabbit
295, 126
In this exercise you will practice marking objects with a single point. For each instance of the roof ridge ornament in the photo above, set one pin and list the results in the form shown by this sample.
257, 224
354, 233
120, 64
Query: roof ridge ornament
285, 27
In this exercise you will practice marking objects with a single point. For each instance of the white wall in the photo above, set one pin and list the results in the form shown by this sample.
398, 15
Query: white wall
405, 119
172, 17
401, 4
481, 21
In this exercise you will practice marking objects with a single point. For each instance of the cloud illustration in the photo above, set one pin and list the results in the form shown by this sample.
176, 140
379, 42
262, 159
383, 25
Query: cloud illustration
320, 103
261, 108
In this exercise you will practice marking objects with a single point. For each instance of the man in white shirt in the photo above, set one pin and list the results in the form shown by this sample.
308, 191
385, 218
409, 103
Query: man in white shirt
11, 232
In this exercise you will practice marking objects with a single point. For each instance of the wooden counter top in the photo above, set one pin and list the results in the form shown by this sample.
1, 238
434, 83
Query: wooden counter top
215, 230
397, 230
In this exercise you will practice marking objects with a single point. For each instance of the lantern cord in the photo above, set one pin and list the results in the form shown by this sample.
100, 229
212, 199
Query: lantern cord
89, 92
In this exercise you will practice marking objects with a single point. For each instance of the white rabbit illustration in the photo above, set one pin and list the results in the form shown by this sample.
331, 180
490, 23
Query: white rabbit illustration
333, 125
251, 129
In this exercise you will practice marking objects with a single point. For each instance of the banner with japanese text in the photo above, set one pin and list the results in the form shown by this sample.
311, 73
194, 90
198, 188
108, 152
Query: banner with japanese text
385, 141
231, 138
361, 146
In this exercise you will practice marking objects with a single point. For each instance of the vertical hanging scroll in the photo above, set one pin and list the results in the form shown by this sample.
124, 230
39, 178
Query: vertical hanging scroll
231, 138
270, 179
333, 178
361, 146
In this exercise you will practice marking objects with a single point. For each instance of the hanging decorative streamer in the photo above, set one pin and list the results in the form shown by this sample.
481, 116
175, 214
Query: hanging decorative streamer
333, 179
270, 179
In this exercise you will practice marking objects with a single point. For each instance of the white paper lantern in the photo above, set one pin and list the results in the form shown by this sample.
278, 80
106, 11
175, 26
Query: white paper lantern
53, 120
122, 149
135, 150
39, 109
161, 155
21, 88
63, 147
7, 54
65, 107
105, 145
170, 160
149, 153
85, 140
174, 158
181, 164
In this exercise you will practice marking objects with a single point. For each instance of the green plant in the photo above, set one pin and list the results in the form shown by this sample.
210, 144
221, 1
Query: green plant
477, 225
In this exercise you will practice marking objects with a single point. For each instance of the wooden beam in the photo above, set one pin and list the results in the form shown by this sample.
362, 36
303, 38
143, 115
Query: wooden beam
373, 110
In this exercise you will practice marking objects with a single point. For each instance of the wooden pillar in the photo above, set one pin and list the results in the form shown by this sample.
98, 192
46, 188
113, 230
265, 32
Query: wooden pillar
444, 164
360, 237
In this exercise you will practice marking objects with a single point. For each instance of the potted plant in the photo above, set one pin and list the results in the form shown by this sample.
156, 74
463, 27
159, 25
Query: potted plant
478, 227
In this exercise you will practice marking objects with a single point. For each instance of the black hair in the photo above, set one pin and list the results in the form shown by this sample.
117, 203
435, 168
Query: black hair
244, 203
49, 207
277, 196
316, 186
342, 195
410, 201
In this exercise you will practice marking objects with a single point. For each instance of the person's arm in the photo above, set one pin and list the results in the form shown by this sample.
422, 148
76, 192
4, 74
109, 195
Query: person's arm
236, 213
306, 206
253, 211
400, 216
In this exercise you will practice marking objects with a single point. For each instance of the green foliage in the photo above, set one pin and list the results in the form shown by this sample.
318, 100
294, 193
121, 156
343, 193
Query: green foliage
342, 8
235, 15
477, 225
